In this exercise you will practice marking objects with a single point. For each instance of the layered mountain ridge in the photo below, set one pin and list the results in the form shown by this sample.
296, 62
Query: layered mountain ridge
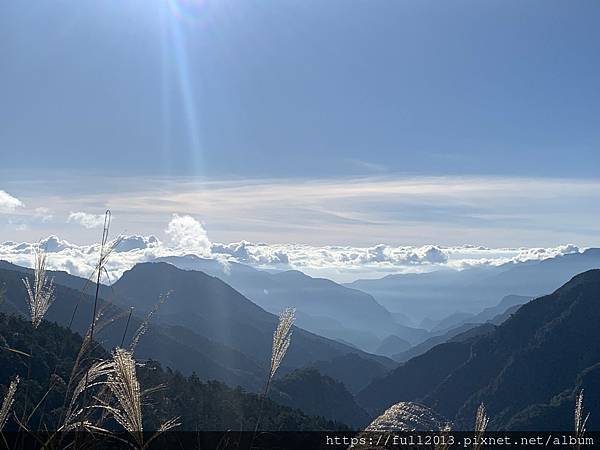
529, 367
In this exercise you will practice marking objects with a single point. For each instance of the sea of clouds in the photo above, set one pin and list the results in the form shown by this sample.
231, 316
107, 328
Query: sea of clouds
185, 235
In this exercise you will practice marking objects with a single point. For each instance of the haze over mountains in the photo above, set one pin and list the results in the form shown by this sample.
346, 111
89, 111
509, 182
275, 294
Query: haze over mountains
208, 327
201, 312
527, 370
407, 308
418, 180
441, 293
323, 306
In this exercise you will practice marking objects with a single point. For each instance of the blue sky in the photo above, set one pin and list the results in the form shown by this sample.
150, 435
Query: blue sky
302, 90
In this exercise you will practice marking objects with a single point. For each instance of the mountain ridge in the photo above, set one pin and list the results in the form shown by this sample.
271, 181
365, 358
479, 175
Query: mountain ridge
537, 355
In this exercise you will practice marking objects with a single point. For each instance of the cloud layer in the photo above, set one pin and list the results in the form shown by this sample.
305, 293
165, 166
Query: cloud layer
351, 228
342, 263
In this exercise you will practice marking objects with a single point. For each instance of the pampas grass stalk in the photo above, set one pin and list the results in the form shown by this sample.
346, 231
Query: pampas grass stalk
124, 385
8, 401
84, 376
580, 419
126, 326
105, 252
101, 263
40, 295
7, 404
76, 410
481, 423
282, 338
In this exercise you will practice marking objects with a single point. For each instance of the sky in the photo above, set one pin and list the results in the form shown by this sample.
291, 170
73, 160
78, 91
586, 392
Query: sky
324, 123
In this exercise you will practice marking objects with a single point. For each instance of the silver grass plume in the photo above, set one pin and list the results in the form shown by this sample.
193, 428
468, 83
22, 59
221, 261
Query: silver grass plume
281, 339
8, 401
481, 423
94, 376
124, 384
281, 342
40, 295
580, 418
125, 387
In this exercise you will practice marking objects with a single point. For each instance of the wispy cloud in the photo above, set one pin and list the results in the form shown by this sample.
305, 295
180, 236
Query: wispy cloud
86, 220
450, 211
43, 214
359, 212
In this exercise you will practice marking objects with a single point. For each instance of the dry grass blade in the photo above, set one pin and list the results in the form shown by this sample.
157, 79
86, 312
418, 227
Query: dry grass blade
282, 338
94, 377
18, 352
40, 294
166, 426
77, 378
96, 274
86, 344
481, 423
144, 325
580, 418
105, 251
8, 401
169, 424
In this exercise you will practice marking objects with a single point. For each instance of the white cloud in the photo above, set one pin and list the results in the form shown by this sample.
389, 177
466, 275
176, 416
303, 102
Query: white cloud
383, 220
135, 242
253, 254
8, 203
341, 263
187, 234
86, 220
544, 253
52, 244
42, 214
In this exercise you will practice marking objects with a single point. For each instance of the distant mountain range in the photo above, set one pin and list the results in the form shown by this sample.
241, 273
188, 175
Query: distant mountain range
207, 305
439, 294
187, 353
204, 326
525, 359
468, 326
392, 345
323, 306
527, 371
